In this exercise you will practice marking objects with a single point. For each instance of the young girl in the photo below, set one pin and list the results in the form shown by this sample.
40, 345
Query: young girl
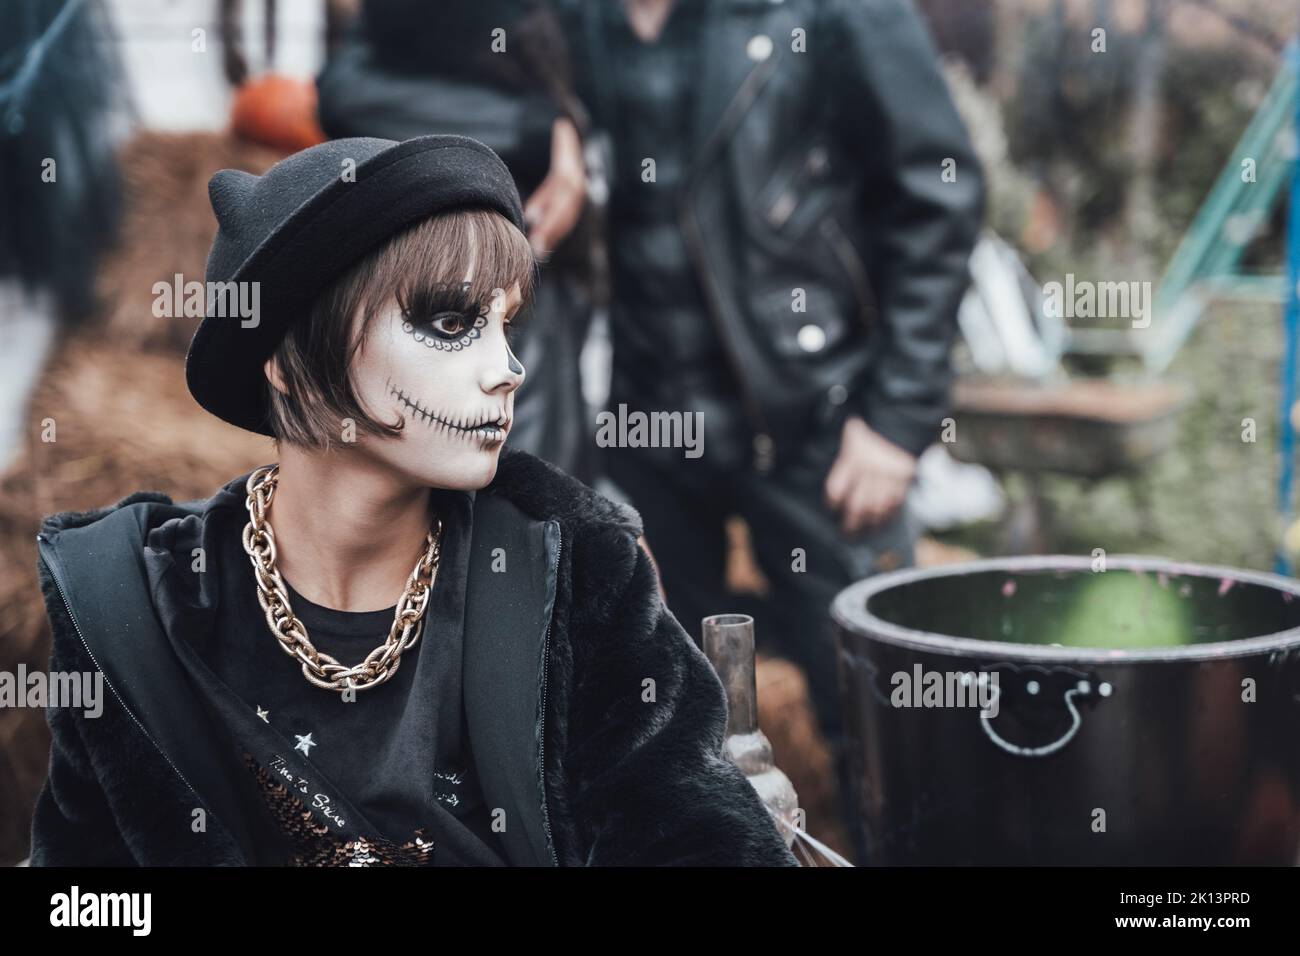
401, 642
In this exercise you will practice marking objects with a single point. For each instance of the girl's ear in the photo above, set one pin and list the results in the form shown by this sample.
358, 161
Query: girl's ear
272, 370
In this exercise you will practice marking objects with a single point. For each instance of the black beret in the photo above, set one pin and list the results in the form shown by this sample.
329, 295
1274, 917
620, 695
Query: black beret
301, 224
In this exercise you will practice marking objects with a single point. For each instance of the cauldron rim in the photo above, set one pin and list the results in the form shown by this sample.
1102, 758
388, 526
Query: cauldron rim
849, 611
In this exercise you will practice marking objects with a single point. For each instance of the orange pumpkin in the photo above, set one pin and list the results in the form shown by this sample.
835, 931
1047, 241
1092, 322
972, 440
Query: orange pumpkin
277, 111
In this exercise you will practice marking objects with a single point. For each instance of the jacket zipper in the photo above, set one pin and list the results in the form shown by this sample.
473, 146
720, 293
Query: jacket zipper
541, 750
785, 203
763, 444
849, 258
58, 584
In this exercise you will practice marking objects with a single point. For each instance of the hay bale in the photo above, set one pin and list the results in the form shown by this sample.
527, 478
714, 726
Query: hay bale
931, 553
167, 228
123, 421
786, 717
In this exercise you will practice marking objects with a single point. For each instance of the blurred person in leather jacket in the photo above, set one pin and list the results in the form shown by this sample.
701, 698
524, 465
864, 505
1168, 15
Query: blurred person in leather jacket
793, 203
496, 71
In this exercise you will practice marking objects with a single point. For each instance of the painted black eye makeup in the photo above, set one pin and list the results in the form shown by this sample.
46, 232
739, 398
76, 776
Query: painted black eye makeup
443, 317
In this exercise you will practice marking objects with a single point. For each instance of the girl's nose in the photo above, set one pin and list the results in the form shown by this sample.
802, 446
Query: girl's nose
504, 372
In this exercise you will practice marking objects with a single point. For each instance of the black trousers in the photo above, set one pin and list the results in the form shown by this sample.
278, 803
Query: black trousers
797, 541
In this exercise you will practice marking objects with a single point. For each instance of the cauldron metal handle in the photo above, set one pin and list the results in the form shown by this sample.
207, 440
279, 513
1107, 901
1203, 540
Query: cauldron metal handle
1076, 721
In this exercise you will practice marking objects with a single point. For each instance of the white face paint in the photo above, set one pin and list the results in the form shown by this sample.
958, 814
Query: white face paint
452, 376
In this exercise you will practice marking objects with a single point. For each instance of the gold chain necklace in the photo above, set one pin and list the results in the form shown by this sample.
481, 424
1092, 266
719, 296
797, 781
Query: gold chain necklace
319, 668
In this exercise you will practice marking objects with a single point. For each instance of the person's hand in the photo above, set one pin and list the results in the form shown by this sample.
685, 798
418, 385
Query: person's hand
868, 482
554, 207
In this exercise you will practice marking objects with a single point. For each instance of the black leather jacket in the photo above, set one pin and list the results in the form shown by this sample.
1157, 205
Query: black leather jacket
829, 171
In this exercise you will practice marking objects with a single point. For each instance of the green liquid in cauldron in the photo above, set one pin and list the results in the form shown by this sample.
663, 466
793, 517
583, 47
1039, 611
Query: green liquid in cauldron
1116, 609
1123, 610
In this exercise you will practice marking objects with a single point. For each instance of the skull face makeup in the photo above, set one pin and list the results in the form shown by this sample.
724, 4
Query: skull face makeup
444, 366
406, 359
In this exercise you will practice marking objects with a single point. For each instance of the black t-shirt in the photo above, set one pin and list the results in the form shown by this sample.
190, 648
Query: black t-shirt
385, 778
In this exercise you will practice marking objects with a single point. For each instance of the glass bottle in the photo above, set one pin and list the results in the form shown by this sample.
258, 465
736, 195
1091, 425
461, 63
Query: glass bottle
729, 646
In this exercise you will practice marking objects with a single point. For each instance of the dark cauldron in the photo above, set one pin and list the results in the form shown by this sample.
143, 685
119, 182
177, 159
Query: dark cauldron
1147, 714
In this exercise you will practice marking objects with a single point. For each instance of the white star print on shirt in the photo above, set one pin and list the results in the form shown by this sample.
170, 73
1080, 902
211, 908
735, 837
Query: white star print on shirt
305, 744
264, 714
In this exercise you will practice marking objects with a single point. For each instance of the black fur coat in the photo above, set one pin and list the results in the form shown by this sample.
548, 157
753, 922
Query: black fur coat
553, 696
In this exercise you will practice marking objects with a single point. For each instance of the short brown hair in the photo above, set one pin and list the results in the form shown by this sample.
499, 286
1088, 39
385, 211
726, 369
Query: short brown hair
315, 356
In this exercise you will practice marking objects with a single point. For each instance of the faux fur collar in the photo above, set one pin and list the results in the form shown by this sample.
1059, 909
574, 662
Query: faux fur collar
543, 491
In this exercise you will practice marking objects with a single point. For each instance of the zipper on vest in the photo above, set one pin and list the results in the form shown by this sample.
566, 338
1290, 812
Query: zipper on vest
546, 658
58, 584
764, 448
857, 272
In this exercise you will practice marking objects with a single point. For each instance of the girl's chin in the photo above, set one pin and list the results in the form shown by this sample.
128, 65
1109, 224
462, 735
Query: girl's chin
468, 469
